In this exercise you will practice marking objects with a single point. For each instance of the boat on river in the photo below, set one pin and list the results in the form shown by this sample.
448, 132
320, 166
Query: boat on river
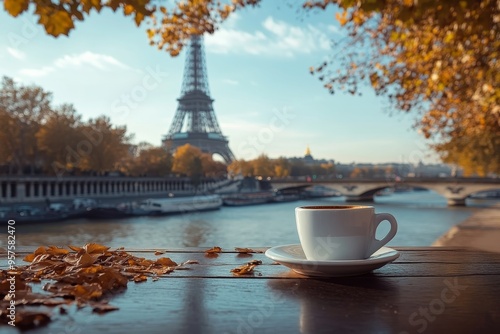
123, 210
319, 191
163, 206
45, 217
248, 198
28, 214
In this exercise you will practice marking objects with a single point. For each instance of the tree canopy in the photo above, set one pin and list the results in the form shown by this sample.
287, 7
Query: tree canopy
39, 138
437, 59
282, 167
169, 26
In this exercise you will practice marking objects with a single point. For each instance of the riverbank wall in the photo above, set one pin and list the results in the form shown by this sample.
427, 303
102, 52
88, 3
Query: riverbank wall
25, 189
479, 231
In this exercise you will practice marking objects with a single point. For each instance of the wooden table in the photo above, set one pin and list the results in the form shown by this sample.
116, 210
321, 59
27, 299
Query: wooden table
426, 290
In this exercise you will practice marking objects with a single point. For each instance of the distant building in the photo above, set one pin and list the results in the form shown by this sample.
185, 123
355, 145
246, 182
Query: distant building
308, 158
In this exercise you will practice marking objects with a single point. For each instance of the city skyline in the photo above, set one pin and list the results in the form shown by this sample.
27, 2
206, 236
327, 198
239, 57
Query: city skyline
258, 63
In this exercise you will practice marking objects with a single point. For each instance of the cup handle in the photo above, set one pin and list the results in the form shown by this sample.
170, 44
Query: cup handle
377, 244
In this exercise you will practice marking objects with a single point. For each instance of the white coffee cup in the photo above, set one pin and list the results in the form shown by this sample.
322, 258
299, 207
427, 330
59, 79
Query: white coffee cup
344, 232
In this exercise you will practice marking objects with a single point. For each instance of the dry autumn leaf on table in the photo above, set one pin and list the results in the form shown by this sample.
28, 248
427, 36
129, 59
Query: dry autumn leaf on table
79, 275
243, 250
246, 269
213, 252
246, 250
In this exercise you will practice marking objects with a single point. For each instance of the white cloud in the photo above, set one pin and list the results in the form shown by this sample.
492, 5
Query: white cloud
278, 38
36, 72
96, 60
277, 28
230, 40
231, 20
333, 29
230, 81
99, 61
18, 54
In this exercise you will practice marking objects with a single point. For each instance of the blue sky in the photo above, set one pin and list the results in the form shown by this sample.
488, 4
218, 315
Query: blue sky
266, 101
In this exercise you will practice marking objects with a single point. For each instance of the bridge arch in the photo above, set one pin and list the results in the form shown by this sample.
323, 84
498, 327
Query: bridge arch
455, 190
456, 194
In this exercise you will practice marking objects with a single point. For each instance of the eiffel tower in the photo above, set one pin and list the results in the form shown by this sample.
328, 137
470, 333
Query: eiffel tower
194, 121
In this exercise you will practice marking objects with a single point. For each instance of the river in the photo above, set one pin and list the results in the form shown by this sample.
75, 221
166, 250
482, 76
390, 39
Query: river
422, 216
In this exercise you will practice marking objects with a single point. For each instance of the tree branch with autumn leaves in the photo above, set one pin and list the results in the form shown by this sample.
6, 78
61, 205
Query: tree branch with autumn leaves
435, 58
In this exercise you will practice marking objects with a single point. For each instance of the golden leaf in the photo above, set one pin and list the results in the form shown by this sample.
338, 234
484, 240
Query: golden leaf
145, 263
244, 250
341, 17
59, 23
42, 265
111, 279
85, 260
90, 270
139, 17
15, 7
243, 270
93, 248
54, 250
40, 250
41, 257
87, 291
165, 261
140, 278
128, 9
29, 258
215, 249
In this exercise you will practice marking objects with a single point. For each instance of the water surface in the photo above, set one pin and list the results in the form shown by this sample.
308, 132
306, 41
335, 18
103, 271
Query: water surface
423, 216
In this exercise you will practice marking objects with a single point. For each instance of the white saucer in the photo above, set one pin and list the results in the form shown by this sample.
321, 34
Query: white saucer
293, 257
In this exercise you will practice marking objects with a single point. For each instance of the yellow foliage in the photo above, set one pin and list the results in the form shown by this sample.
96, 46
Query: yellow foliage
440, 60
16, 7
58, 23
408, 37
341, 17
128, 9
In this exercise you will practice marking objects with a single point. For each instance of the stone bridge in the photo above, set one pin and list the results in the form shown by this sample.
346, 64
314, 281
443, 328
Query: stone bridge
455, 190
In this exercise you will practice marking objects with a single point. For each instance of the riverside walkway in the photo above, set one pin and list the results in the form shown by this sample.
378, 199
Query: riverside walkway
480, 231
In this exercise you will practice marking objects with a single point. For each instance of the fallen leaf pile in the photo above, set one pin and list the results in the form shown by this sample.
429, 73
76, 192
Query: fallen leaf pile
78, 275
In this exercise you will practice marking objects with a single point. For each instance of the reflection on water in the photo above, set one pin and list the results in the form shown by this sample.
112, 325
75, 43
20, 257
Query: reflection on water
196, 233
422, 218
77, 232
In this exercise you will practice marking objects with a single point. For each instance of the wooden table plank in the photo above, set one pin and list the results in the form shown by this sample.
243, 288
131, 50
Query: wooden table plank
380, 304
426, 255
427, 290
410, 264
